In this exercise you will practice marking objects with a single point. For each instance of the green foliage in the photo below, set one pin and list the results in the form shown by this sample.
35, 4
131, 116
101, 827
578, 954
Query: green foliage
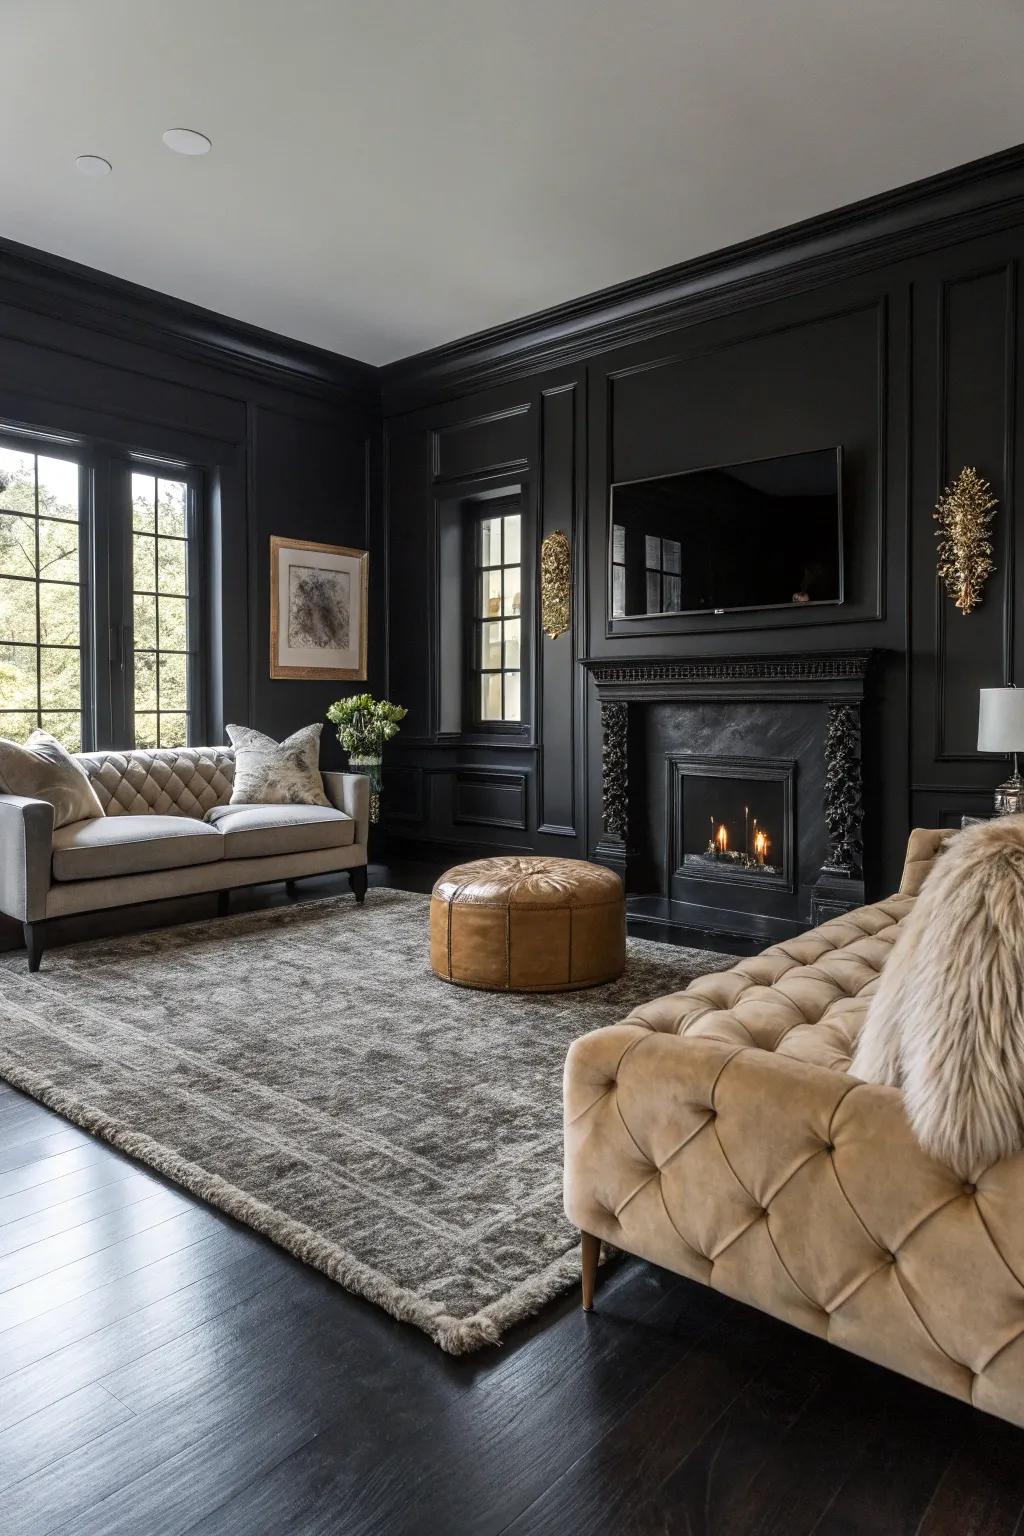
45, 549
365, 723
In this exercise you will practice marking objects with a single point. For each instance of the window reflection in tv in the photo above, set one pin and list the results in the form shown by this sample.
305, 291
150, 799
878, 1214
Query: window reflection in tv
766, 534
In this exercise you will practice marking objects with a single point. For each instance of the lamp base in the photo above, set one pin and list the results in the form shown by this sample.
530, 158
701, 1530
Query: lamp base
1009, 796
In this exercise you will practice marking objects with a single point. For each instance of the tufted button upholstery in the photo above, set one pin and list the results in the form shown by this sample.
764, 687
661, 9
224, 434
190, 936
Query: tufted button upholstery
162, 781
722, 1128
528, 925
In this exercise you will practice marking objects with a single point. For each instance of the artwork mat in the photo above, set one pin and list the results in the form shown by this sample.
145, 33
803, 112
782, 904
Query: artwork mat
336, 557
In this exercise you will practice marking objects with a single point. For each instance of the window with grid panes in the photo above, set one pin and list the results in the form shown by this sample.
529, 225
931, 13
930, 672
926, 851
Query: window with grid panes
497, 639
163, 642
41, 606
663, 562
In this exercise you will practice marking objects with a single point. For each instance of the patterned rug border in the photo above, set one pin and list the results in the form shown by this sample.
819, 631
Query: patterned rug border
457, 1336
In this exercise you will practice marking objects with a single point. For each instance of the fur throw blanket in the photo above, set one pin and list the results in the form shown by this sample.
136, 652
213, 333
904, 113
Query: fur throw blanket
947, 1021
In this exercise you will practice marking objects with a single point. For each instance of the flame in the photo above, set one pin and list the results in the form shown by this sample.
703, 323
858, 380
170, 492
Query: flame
760, 846
722, 839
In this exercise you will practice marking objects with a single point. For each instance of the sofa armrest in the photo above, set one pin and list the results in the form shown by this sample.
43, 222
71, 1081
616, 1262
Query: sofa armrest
350, 792
26, 846
801, 1191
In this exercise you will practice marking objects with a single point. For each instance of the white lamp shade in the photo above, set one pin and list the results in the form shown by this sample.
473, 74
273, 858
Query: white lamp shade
1001, 720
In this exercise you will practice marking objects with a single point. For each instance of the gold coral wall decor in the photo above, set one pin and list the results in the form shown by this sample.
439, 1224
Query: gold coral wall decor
964, 512
555, 584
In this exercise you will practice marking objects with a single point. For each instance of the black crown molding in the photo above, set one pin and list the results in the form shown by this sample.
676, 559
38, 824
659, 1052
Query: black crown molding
977, 198
65, 290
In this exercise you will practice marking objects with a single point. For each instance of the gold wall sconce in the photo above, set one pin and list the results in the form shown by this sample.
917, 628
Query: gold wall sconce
964, 512
555, 584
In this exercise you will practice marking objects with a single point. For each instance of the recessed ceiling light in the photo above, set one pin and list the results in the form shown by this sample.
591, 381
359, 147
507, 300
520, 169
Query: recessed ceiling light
185, 141
93, 165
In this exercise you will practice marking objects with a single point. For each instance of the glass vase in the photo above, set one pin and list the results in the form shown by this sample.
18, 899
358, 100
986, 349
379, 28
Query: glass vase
371, 766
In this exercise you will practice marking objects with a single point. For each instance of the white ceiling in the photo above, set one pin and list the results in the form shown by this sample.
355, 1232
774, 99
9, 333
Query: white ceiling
388, 175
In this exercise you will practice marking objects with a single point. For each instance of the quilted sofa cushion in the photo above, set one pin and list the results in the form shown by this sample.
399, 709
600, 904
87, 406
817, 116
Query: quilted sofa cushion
166, 781
261, 831
716, 1132
132, 845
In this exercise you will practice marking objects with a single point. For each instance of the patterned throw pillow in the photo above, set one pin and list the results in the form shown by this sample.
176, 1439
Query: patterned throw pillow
269, 772
44, 770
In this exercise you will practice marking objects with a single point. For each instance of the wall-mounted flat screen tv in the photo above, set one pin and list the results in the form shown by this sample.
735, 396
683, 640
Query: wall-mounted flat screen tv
766, 534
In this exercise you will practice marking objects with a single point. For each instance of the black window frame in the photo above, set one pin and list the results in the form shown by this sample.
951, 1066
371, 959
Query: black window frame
106, 608
483, 511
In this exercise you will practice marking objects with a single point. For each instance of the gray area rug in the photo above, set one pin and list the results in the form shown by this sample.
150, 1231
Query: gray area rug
302, 1069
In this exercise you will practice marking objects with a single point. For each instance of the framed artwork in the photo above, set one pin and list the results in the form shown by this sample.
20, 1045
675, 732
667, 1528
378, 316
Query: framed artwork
318, 598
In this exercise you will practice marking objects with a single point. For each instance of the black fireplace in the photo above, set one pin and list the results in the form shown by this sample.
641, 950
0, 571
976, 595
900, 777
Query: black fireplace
729, 819
731, 790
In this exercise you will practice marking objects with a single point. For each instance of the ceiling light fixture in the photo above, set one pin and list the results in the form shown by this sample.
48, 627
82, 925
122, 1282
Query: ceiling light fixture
93, 165
185, 141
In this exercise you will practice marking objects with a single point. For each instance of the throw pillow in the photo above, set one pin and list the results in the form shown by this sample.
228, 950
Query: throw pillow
269, 772
43, 770
945, 1023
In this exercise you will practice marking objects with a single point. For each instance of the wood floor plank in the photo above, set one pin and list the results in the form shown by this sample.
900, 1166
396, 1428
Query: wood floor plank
981, 1493
46, 1170
36, 1297
38, 1141
40, 1197
122, 1296
618, 1484
504, 1442
139, 1335
73, 1493
65, 1425
892, 1480
53, 1253
68, 1214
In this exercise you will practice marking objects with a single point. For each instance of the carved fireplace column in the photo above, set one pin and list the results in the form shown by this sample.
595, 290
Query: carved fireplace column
840, 885
612, 848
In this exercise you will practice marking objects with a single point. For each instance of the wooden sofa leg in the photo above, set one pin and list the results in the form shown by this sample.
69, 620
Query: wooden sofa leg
223, 903
291, 886
359, 879
35, 943
591, 1256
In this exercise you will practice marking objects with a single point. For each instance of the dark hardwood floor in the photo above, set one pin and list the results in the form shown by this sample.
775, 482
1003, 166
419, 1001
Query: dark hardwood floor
164, 1370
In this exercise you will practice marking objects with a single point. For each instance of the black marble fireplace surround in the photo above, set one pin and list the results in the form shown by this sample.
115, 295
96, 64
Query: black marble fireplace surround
782, 731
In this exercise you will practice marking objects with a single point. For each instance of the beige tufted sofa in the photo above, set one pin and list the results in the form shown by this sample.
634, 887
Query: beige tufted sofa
168, 830
718, 1132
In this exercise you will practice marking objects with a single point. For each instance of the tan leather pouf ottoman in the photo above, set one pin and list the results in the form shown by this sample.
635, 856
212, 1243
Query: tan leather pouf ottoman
528, 925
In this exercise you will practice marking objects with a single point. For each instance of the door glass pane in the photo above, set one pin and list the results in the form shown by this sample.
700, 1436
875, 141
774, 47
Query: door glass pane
40, 597
490, 582
58, 550
652, 553
511, 555
512, 643
673, 594
490, 696
513, 582
619, 543
171, 507
58, 488
162, 642
618, 590
653, 592
17, 545
490, 650
511, 695
144, 503
490, 541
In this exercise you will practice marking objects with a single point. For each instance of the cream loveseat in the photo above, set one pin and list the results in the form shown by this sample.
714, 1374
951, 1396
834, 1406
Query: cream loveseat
717, 1132
153, 842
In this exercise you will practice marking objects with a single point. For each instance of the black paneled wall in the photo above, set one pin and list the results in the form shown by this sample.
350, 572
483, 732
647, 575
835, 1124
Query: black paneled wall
890, 329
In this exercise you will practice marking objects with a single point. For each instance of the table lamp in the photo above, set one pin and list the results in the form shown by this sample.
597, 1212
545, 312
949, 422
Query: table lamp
1001, 729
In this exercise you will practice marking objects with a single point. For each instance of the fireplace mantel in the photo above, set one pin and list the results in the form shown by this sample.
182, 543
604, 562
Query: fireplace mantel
832, 675
836, 679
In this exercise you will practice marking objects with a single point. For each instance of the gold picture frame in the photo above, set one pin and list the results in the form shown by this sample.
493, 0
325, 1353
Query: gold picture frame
318, 609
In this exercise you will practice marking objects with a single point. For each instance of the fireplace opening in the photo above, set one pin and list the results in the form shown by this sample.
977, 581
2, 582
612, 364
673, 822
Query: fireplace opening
731, 819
